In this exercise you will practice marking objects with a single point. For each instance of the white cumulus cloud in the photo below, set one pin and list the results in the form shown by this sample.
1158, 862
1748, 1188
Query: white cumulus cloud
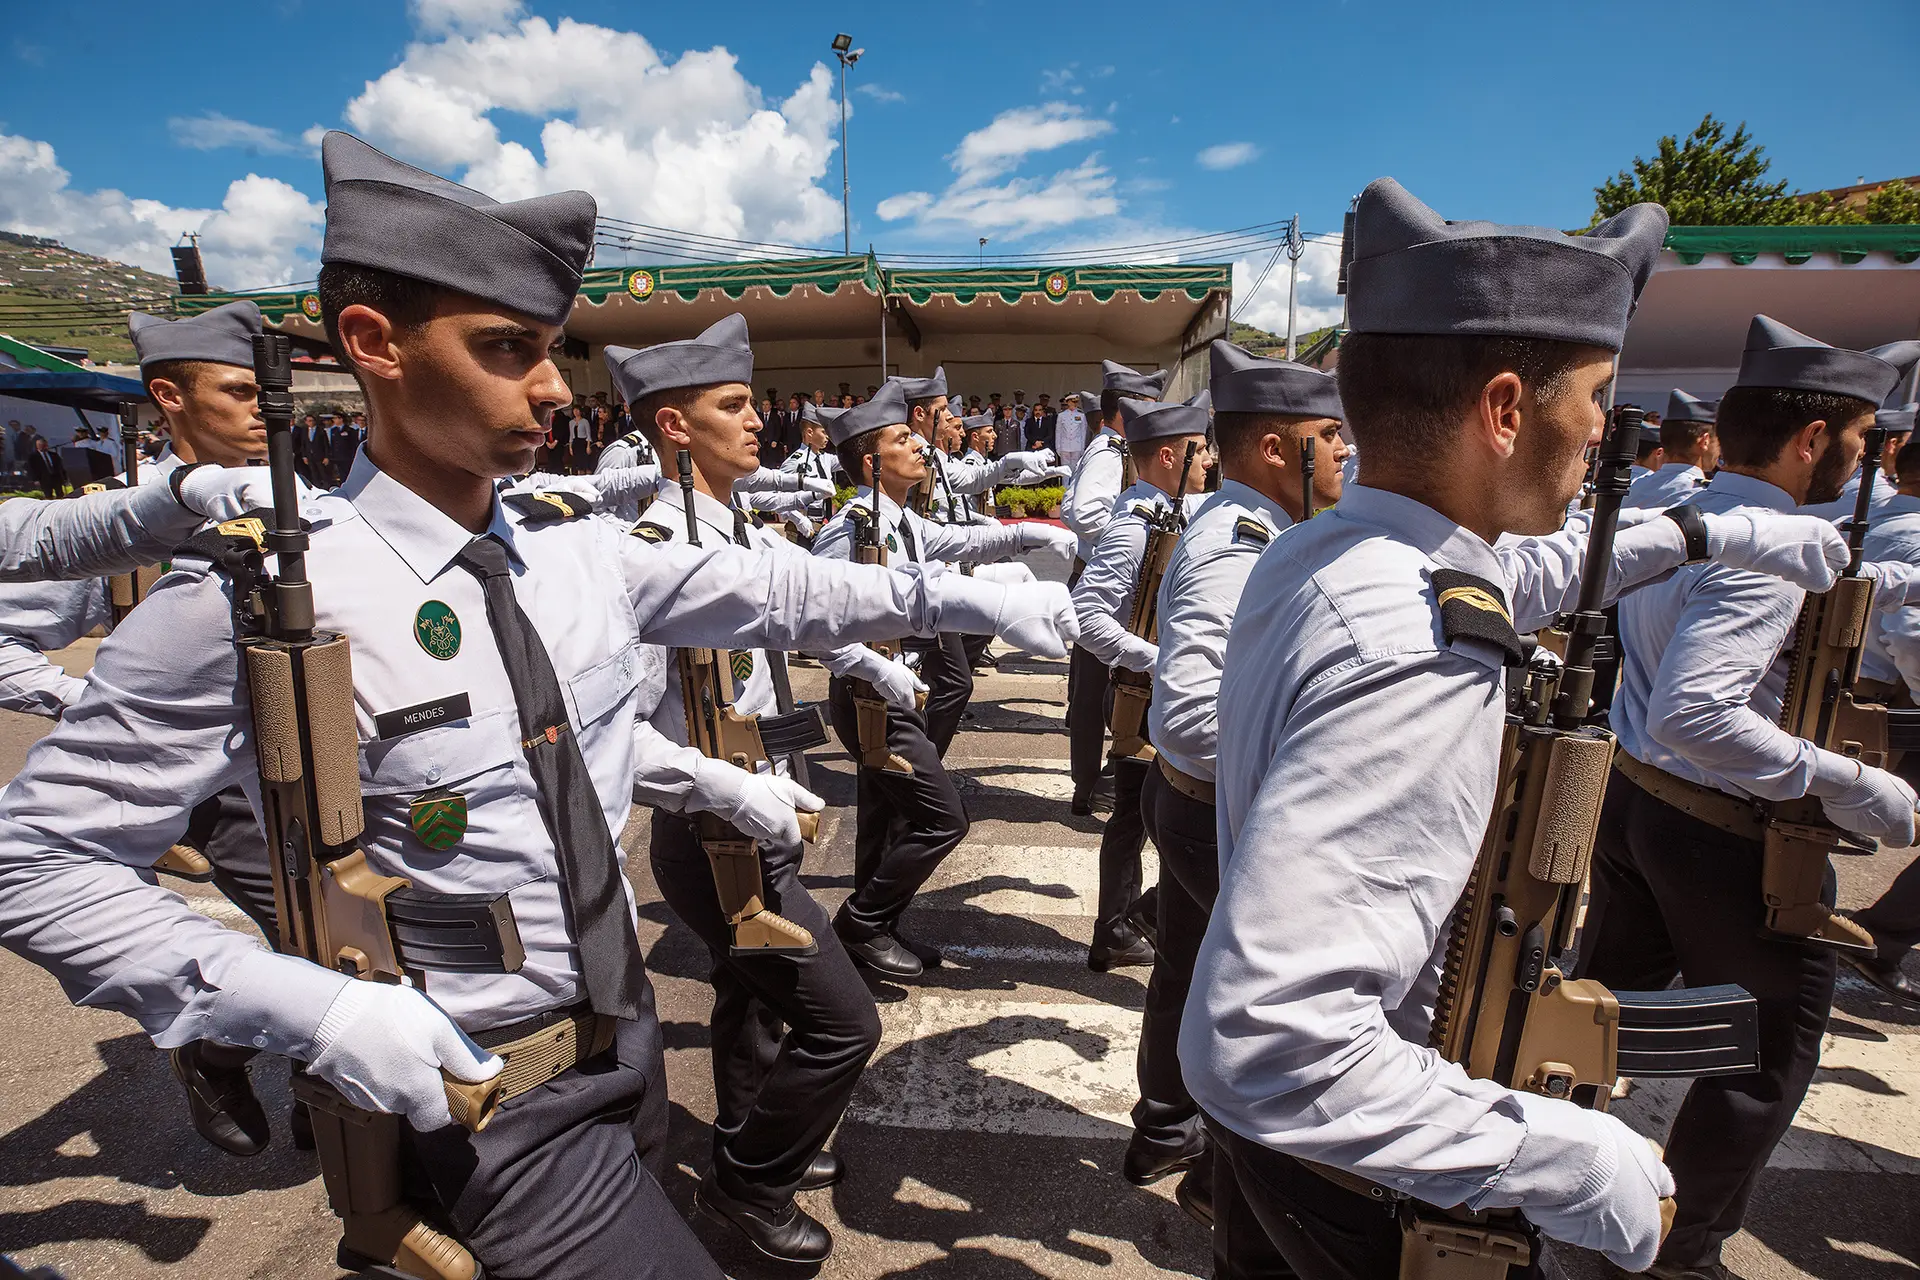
986, 196
214, 132
1228, 155
689, 144
264, 232
1266, 308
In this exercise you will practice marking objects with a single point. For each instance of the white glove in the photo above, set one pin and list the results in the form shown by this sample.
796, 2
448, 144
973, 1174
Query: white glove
1038, 617
1137, 654
818, 486
226, 493
384, 1047
1620, 1215
1896, 584
1803, 550
801, 524
1863, 800
898, 685
1056, 473
1035, 536
764, 806
616, 484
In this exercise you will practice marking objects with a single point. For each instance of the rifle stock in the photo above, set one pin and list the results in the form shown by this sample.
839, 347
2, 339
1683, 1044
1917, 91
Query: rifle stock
330, 904
870, 709
1133, 690
719, 732
1507, 1011
1823, 671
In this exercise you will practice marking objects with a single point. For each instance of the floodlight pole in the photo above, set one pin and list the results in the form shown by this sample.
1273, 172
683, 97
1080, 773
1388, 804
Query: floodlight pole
1295, 247
843, 50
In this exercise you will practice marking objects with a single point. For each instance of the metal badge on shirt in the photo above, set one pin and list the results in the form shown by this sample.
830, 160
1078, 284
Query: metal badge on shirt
438, 818
437, 628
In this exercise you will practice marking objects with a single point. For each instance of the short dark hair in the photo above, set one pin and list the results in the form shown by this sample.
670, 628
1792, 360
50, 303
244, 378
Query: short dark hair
1142, 451
1648, 442
407, 302
1907, 461
852, 451
181, 373
1404, 393
652, 403
1236, 434
1678, 434
1755, 423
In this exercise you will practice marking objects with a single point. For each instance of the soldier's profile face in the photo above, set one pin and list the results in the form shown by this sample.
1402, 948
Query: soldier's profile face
1549, 461
723, 431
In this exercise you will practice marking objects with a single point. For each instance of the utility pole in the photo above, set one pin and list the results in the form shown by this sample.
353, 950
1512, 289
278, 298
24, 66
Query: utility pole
843, 49
1295, 247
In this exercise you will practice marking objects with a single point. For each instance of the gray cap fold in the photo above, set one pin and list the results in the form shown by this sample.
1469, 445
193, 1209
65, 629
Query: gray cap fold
1682, 407
720, 355
1156, 420
922, 388
526, 256
1243, 382
888, 408
1896, 420
975, 421
1131, 382
1413, 272
223, 335
1788, 360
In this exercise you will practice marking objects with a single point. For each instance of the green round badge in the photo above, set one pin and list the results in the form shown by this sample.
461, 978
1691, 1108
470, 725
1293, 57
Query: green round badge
437, 629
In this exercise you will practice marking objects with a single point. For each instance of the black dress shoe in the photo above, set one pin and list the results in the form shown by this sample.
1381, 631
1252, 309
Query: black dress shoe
825, 1171
928, 955
1144, 915
1195, 1193
1887, 977
1085, 798
1147, 1163
788, 1234
884, 955
220, 1098
1115, 955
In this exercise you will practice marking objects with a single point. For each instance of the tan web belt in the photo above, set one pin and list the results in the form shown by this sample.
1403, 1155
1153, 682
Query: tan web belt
538, 1056
1185, 783
1717, 809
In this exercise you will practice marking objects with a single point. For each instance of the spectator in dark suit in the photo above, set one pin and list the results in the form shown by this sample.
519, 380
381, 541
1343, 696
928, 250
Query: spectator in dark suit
45, 471
340, 450
302, 447
1040, 427
319, 455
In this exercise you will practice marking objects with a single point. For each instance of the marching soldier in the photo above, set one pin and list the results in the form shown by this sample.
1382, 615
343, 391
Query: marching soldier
909, 816
1688, 451
1677, 870
1361, 716
1168, 447
1086, 508
808, 1015
1264, 413
1898, 428
498, 796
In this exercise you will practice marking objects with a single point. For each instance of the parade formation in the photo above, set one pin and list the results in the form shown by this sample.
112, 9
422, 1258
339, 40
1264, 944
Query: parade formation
1493, 743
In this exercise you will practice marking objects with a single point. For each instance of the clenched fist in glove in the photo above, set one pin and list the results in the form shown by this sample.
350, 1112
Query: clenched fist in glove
1862, 799
764, 806
384, 1047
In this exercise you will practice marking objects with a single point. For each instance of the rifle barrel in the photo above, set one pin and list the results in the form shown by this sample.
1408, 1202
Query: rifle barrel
291, 618
1863, 504
684, 461
1306, 477
1180, 490
1611, 479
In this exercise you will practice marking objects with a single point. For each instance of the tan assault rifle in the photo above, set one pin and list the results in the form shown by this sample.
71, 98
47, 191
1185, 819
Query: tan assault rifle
331, 905
1133, 690
870, 709
718, 732
1820, 705
1507, 1011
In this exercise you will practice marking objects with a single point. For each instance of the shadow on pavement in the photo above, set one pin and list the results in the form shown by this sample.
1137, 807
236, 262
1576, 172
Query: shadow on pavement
162, 1239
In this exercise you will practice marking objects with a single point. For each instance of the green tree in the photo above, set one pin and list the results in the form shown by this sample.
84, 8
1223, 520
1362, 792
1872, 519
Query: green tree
1713, 179
1894, 203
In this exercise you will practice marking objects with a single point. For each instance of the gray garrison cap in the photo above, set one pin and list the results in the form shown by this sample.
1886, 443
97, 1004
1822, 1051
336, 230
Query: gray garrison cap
975, 421
526, 256
1777, 356
923, 388
719, 355
1131, 382
1682, 407
223, 335
888, 408
1243, 382
1156, 420
1896, 420
1413, 272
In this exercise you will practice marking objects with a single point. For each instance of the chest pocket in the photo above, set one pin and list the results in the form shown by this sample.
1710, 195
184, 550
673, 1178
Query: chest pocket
454, 755
603, 686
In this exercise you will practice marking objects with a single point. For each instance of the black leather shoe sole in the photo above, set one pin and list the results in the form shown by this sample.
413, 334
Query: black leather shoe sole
929, 956
1101, 959
801, 1240
1144, 1173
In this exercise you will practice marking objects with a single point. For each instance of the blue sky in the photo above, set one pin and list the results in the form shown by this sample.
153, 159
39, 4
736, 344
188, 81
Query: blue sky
1042, 126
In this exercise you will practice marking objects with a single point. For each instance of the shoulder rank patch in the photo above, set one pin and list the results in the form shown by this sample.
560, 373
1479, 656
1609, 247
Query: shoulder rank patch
1477, 609
546, 507
650, 533
1141, 510
102, 486
1247, 529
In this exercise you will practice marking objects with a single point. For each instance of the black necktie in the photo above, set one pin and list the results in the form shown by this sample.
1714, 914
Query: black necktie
906, 537
610, 962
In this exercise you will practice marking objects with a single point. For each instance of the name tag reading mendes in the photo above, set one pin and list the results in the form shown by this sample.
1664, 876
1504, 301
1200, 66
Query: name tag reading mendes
424, 715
